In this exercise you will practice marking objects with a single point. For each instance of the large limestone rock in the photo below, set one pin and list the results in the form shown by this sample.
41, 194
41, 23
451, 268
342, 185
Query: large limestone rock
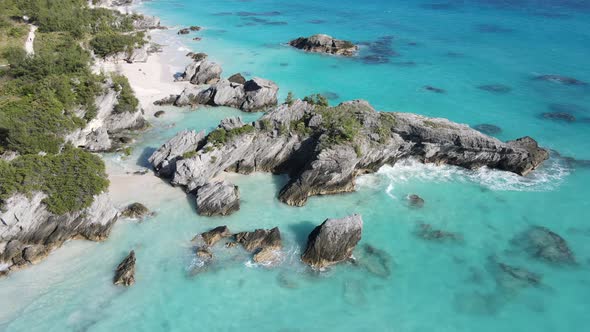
322, 156
256, 94
202, 72
29, 231
218, 198
325, 44
164, 159
333, 241
213, 236
125, 273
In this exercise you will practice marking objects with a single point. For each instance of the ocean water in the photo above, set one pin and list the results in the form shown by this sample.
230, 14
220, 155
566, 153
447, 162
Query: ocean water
432, 286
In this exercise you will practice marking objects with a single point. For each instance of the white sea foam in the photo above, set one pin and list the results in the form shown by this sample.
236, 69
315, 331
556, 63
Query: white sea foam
550, 176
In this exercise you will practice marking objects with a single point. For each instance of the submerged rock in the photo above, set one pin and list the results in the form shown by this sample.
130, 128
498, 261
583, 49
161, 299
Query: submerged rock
325, 44
427, 232
542, 243
135, 211
488, 129
219, 198
434, 89
511, 277
125, 273
213, 236
415, 201
559, 116
495, 88
374, 260
565, 80
333, 241
184, 31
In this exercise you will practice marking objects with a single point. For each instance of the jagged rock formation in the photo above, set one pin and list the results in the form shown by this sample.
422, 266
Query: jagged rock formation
255, 95
202, 72
165, 158
264, 243
325, 44
101, 132
29, 231
125, 273
218, 198
213, 236
323, 149
333, 241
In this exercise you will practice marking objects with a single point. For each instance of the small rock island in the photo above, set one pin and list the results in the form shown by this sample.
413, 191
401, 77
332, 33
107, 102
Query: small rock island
321, 43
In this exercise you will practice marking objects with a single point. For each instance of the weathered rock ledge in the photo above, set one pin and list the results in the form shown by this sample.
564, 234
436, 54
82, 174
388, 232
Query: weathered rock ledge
325, 44
125, 273
323, 149
28, 231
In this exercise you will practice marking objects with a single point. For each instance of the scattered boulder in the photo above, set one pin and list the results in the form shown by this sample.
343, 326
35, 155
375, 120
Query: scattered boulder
260, 239
197, 39
542, 243
166, 100
197, 56
488, 129
125, 273
135, 211
333, 241
159, 114
184, 31
219, 198
164, 159
321, 43
237, 78
204, 254
195, 28
213, 236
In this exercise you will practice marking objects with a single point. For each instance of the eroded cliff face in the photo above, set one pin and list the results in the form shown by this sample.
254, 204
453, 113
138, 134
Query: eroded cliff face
323, 149
28, 231
102, 132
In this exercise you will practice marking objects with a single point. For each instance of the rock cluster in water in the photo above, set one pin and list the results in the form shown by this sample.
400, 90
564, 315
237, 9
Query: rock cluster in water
333, 241
125, 272
321, 43
323, 149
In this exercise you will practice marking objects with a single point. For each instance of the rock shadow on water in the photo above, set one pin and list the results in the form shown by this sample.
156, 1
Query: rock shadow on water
429, 233
142, 160
330, 95
374, 260
301, 230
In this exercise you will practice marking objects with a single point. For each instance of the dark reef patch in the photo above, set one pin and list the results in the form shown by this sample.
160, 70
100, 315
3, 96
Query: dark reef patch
434, 89
492, 28
559, 116
495, 88
488, 129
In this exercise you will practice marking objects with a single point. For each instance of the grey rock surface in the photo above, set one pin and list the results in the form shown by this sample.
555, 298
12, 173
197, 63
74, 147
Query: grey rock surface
218, 198
321, 43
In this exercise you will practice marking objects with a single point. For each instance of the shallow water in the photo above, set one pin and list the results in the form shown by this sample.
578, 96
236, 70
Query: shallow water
433, 286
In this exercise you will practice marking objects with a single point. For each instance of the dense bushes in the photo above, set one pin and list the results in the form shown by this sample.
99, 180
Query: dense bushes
110, 43
126, 101
70, 179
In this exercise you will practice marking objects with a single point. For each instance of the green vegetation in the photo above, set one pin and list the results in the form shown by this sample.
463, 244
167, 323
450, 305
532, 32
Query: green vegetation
189, 154
45, 96
290, 98
317, 99
219, 136
341, 123
70, 179
126, 101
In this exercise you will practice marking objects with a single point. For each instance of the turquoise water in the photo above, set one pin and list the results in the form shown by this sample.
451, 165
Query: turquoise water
433, 286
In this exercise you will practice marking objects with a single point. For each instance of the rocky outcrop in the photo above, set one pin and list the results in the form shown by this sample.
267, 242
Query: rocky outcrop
237, 78
143, 22
333, 241
165, 158
218, 198
255, 95
202, 72
99, 133
29, 231
213, 236
125, 273
544, 244
323, 149
325, 44
135, 211
264, 243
